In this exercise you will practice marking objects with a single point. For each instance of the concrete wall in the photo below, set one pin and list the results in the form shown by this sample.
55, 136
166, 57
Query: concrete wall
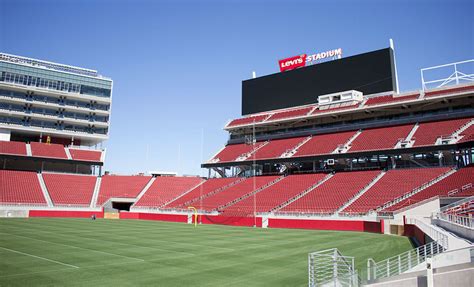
13, 213
459, 230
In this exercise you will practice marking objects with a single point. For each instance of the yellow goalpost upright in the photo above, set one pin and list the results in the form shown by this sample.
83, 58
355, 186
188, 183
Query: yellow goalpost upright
195, 215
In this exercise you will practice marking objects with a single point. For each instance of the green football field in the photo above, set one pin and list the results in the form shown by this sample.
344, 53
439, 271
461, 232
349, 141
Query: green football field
82, 252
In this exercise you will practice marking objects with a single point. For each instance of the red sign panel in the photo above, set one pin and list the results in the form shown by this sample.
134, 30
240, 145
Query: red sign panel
292, 63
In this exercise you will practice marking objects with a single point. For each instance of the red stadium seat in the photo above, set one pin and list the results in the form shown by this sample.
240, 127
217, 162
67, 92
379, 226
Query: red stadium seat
393, 184
455, 181
166, 188
380, 138
234, 192
274, 195
290, 113
20, 188
333, 193
323, 144
48, 150
390, 99
121, 186
16, 148
86, 155
428, 133
207, 187
247, 120
69, 189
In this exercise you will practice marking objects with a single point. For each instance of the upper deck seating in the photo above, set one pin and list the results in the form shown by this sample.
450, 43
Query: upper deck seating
467, 134
380, 138
16, 148
449, 90
290, 113
428, 133
390, 99
87, 155
48, 150
233, 151
247, 120
323, 144
275, 148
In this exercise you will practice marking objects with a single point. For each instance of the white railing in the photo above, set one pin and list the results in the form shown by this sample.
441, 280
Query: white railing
457, 203
455, 77
434, 234
455, 219
403, 262
330, 268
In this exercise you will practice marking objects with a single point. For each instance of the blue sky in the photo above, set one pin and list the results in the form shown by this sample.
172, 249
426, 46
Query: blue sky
177, 66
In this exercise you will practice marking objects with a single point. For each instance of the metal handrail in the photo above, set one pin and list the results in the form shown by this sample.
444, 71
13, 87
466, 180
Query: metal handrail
436, 235
403, 262
464, 221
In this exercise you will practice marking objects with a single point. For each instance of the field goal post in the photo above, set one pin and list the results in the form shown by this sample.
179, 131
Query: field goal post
195, 213
330, 268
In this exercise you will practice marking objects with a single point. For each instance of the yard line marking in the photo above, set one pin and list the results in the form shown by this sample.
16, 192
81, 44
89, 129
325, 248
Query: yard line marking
31, 273
39, 257
51, 242
128, 244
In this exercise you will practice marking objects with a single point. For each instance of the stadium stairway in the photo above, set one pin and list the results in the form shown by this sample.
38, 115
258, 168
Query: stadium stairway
453, 241
28, 150
249, 194
183, 194
361, 192
311, 188
144, 190
95, 195
68, 153
457, 134
408, 141
209, 194
44, 189
252, 152
346, 146
294, 150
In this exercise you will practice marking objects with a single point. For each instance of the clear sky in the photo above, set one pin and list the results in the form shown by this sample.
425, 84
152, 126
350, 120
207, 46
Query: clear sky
177, 66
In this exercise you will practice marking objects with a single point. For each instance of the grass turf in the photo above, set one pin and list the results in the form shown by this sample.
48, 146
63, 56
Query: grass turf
81, 252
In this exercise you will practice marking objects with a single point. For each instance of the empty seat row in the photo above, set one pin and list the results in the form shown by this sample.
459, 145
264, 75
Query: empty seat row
372, 101
165, 189
394, 184
48, 151
20, 187
208, 187
390, 99
274, 195
69, 189
453, 183
426, 134
333, 193
235, 192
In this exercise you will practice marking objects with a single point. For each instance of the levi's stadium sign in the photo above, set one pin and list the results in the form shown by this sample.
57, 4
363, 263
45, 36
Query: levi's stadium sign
303, 59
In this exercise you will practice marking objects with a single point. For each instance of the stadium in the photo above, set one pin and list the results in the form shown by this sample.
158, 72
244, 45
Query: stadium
332, 176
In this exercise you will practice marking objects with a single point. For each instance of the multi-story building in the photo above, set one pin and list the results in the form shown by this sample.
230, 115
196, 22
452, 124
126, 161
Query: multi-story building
50, 103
